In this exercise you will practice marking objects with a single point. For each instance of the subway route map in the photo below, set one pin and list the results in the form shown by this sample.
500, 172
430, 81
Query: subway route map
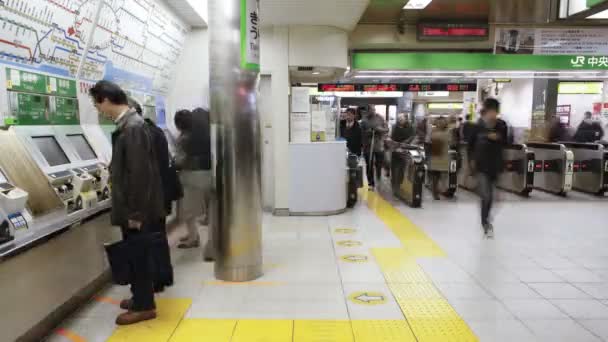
136, 42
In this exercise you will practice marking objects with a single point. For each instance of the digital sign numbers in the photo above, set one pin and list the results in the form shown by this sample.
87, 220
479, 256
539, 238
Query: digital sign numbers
406, 87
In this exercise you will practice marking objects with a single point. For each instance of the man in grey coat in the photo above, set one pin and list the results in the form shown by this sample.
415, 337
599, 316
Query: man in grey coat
137, 195
374, 130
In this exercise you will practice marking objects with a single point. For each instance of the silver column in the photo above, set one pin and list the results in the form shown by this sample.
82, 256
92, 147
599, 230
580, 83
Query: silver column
233, 86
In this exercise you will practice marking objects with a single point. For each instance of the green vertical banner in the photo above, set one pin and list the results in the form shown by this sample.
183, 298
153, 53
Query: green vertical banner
250, 35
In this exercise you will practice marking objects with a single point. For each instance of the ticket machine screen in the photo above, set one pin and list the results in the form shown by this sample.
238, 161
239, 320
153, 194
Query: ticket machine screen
82, 146
51, 150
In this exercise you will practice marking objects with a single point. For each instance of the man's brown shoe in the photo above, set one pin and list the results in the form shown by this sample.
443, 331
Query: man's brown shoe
133, 317
126, 304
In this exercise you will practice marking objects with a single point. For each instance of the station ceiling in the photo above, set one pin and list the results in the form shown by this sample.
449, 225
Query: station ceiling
506, 12
390, 11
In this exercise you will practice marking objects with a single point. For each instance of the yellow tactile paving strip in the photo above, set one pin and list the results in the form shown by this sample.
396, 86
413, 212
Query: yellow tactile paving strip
170, 314
322, 331
196, 330
263, 331
383, 331
191, 330
413, 239
430, 316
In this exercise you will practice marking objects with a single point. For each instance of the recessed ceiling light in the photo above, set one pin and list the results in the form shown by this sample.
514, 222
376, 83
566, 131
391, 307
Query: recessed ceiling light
417, 4
316, 73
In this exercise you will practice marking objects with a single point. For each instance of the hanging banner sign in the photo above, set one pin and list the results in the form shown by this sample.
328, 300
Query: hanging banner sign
552, 41
250, 35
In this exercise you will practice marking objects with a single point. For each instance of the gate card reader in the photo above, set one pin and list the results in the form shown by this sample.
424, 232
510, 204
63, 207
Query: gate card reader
12, 205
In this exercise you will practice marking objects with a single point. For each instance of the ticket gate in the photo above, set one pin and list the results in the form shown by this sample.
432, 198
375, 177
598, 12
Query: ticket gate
466, 179
590, 167
518, 173
409, 188
553, 167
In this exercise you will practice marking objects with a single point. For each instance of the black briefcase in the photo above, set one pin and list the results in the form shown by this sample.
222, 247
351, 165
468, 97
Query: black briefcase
119, 260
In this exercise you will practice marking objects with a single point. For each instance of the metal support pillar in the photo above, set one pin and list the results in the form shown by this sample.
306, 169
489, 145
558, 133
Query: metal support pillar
234, 78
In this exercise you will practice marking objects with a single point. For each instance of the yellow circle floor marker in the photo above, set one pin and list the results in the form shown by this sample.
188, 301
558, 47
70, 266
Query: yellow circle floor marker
345, 231
368, 298
355, 258
349, 243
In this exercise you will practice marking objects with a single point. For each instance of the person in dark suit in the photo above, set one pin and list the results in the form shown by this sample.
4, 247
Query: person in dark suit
352, 132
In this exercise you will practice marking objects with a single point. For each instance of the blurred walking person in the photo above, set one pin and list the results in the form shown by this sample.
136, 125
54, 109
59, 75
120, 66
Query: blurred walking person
193, 159
486, 145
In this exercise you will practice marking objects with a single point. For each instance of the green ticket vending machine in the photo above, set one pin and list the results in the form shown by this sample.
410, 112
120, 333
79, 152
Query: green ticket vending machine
40, 100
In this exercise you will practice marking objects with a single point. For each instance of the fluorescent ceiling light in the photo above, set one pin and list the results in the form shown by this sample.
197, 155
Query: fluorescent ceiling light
316, 73
417, 4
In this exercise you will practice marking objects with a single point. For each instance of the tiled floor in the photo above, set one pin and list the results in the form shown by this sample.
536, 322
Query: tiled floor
386, 272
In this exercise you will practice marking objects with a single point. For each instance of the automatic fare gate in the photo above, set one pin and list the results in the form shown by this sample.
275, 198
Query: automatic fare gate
410, 187
554, 167
518, 174
590, 167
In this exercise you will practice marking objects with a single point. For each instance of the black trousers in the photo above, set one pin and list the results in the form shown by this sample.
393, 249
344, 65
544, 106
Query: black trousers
142, 283
485, 187
378, 162
161, 255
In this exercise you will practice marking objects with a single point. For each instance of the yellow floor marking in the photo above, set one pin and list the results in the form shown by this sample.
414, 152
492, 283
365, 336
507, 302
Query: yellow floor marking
382, 331
430, 316
197, 330
413, 239
355, 258
322, 331
170, 313
70, 335
349, 243
263, 331
345, 231
367, 298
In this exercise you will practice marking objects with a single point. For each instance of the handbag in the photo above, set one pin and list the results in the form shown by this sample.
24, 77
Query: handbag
119, 260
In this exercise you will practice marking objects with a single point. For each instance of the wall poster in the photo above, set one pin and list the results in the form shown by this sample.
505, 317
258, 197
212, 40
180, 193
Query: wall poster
554, 41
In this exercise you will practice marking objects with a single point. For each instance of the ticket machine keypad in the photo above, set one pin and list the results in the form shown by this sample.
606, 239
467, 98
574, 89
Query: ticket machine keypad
18, 221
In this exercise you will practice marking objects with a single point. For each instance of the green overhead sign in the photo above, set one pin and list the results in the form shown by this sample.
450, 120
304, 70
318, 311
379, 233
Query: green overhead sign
474, 61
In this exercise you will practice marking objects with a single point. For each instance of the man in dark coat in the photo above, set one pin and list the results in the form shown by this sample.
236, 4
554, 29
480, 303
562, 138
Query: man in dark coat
137, 195
163, 270
486, 144
589, 131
